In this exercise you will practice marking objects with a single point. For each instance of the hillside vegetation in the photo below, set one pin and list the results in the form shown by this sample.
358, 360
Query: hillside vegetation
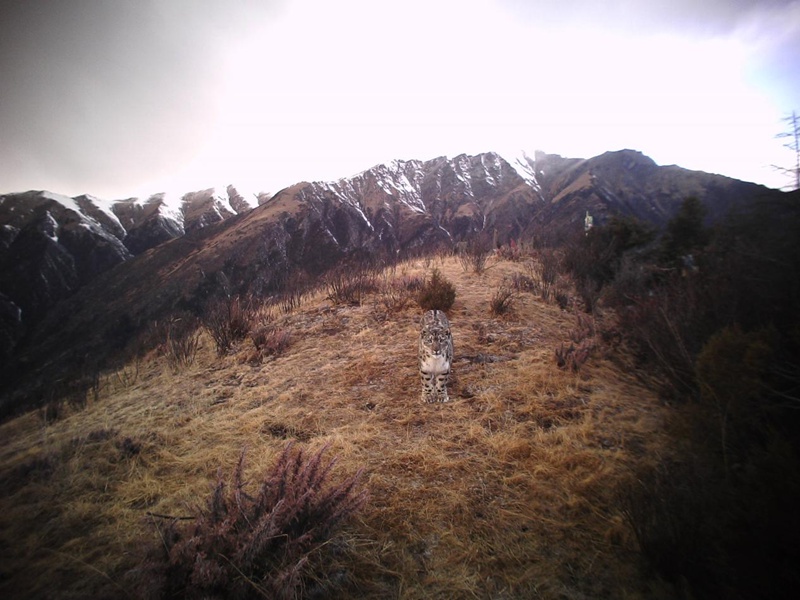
65, 307
624, 424
519, 488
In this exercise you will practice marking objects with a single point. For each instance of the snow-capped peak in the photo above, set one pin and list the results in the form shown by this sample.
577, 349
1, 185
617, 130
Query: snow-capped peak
65, 201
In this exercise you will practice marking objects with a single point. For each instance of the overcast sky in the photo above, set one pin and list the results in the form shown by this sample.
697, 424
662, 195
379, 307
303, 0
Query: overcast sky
122, 98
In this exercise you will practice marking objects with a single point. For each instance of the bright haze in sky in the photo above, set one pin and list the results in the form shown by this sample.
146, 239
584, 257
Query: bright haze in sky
120, 99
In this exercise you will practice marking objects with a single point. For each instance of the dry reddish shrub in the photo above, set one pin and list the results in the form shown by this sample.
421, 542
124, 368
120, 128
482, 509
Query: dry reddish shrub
573, 357
511, 252
245, 545
582, 344
270, 340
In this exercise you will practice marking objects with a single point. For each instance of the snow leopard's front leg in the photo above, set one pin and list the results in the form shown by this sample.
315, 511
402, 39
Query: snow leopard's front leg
429, 386
441, 386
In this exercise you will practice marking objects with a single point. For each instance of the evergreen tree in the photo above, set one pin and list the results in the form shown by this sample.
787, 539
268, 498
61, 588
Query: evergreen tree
685, 233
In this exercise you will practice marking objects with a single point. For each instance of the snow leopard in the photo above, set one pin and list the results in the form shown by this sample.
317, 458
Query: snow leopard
435, 356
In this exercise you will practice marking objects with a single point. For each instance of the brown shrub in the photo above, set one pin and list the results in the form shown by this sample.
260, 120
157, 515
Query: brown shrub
502, 300
510, 251
438, 293
257, 544
474, 254
397, 294
270, 340
179, 341
581, 346
573, 356
349, 285
228, 320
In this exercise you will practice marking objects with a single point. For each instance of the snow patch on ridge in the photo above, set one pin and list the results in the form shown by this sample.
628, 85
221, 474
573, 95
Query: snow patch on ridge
86, 220
345, 189
64, 201
487, 169
397, 184
106, 207
169, 206
461, 168
525, 167
49, 226
223, 197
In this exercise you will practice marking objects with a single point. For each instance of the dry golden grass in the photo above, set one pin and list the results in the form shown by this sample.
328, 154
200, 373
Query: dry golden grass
509, 491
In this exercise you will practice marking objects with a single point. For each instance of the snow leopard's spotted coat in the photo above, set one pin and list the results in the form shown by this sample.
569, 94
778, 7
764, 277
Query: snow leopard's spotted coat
435, 356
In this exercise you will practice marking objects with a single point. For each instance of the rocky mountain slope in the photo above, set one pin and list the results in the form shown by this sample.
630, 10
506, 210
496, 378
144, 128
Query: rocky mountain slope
408, 202
60, 296
51, 245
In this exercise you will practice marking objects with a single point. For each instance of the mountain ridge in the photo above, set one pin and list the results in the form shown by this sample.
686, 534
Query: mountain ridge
389, 210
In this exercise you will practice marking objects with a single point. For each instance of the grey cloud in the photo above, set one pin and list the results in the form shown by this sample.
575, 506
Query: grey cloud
708, 16
109, 89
